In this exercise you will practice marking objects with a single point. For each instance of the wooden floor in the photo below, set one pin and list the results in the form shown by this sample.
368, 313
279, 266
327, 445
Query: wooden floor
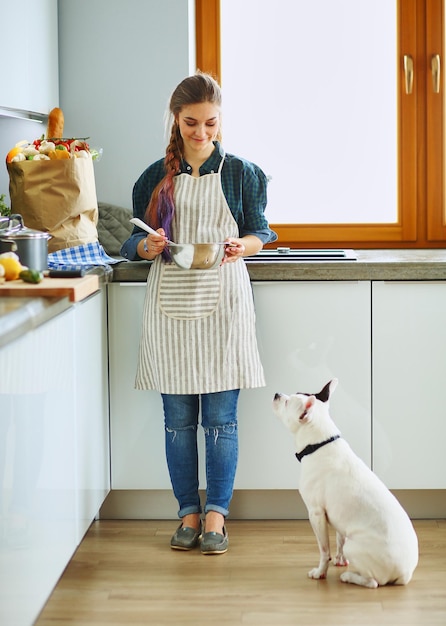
125, 573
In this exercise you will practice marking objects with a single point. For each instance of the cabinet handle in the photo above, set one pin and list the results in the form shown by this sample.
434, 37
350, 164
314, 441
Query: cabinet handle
435, 67
408, 72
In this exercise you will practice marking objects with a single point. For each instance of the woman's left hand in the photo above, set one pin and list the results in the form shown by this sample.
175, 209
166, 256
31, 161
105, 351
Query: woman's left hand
244, 246
234, 250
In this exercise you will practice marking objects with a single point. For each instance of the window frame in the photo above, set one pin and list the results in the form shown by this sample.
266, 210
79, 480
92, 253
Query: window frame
421, 220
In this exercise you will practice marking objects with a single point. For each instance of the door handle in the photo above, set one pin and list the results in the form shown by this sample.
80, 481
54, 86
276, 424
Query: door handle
435, 67
408, 73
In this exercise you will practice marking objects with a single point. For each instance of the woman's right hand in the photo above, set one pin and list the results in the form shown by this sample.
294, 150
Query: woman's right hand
155, 245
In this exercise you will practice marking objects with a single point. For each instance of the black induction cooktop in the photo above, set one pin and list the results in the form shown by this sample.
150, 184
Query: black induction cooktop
292, 255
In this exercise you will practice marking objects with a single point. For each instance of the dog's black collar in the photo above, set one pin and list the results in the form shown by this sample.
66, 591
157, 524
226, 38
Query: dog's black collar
313, 447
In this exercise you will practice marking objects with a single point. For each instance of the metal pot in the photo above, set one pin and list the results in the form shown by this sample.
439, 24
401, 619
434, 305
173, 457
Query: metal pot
31, 246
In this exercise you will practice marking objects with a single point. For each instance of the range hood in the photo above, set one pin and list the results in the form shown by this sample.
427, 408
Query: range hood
20, 114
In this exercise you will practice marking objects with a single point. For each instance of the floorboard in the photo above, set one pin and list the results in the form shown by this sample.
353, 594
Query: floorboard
124, 573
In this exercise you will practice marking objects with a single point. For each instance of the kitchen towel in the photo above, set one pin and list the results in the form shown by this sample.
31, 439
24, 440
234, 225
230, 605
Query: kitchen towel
81, 257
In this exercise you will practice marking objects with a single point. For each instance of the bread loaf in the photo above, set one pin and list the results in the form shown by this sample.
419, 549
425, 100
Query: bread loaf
55, 124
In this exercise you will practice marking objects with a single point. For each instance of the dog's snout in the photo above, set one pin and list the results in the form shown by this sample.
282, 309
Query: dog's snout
277, 396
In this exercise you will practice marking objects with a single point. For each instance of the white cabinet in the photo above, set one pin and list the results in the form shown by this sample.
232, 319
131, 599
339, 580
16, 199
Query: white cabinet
37, 466
54, 459
409, 370
308, 333
91, 409
29, 51
136, 417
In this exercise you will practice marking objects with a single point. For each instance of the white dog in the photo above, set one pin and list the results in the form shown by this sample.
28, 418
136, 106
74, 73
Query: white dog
374, 534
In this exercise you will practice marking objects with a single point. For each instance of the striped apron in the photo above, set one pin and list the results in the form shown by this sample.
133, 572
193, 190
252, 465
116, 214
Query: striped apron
198, 331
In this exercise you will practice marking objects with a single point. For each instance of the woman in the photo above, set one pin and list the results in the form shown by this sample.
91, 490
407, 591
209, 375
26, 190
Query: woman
198, 346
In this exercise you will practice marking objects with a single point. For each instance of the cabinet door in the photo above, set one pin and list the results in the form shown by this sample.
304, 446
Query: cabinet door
409, 367
136, 417
91, 406
29, 73
308, 333
37, 466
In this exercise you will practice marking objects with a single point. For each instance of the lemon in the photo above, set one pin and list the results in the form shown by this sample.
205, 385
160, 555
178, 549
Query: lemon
12, 268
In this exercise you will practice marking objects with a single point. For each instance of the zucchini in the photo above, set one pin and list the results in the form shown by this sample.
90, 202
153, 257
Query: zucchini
31, 276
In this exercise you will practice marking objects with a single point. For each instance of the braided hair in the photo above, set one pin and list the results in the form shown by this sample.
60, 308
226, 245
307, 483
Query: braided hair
200, 87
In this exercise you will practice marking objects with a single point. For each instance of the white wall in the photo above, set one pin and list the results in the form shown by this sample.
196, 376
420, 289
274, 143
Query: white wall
11, 132
119, 61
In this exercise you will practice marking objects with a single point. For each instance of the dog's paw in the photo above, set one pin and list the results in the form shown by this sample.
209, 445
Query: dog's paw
317, 574
357, 579
340, 561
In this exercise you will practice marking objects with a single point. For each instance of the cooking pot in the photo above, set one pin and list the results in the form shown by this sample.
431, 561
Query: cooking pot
31, 246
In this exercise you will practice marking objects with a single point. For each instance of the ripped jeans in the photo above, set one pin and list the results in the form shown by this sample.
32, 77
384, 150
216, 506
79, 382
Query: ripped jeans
219, 422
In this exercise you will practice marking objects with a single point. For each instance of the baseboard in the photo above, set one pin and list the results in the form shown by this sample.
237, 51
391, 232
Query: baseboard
255, 504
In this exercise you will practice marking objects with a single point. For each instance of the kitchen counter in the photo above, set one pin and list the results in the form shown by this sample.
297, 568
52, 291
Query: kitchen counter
20, 314
423, 264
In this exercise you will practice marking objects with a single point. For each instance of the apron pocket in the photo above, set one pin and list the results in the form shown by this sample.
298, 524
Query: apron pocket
188, 294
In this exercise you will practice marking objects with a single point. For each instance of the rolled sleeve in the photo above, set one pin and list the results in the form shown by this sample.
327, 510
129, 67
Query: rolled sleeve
254, 198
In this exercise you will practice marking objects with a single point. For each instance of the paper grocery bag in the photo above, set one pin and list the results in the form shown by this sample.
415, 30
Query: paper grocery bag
57, 197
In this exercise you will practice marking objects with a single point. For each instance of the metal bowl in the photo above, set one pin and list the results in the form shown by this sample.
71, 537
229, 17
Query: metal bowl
197, 256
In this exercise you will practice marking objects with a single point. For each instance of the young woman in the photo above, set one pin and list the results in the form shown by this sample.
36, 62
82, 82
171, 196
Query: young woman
198, 346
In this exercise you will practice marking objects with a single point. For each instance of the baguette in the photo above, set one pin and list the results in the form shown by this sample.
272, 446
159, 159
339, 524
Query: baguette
55, 124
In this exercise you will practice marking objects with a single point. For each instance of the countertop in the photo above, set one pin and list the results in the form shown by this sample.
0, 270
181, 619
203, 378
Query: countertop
18, 315
370, 265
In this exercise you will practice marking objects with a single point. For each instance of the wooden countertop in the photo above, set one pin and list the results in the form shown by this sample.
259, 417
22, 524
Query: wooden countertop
75, 288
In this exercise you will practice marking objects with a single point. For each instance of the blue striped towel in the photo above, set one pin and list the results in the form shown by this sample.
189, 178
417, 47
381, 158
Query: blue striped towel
80, 257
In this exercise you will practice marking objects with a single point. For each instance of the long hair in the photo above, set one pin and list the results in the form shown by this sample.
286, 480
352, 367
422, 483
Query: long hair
195, 89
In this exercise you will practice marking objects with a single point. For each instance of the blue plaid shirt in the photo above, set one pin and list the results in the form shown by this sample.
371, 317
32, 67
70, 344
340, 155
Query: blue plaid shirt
244, 186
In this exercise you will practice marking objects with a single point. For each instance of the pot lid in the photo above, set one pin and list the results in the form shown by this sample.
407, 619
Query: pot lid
17, 230
24, 233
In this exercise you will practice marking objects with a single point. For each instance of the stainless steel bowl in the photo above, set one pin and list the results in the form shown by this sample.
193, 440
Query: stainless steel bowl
197, 256
190, 256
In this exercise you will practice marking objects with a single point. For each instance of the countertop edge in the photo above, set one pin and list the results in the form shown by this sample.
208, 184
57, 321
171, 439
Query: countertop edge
31, 313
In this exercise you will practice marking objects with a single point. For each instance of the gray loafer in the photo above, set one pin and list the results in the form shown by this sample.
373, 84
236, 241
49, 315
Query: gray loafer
185, 538
215, 543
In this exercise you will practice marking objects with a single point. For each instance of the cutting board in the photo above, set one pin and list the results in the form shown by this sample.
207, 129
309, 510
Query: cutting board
75, 288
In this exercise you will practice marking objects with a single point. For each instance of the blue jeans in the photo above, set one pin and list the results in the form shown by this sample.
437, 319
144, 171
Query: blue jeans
219, 422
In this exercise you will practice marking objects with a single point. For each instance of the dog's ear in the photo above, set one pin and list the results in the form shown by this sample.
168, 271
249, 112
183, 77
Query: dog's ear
333, 384
310, 402
308, 406
326, 392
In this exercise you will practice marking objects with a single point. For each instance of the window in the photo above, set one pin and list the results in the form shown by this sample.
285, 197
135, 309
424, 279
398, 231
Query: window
384, 186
